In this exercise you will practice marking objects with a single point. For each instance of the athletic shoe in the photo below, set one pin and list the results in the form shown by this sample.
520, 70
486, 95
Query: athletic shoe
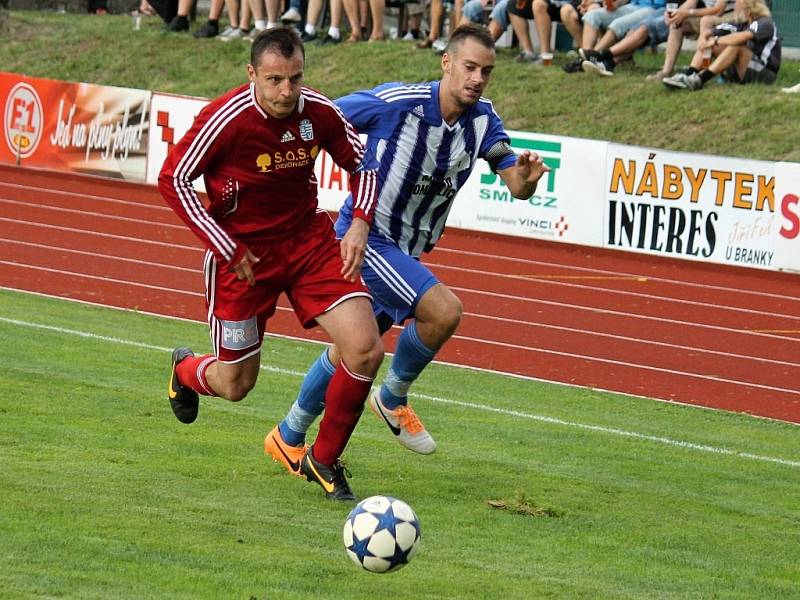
185, 401
439, 46
281, 452
178, 23
308, 37
598, 68
587, 54
329, 40
525, 57
292, 15
332, 479
234, 34
404, 424
682, 81
208, 30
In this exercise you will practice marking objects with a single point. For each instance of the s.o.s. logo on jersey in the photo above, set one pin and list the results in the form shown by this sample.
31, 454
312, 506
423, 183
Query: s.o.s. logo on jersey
22, 121
285, 159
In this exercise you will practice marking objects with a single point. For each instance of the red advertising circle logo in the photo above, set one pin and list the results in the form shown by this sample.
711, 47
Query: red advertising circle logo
23, 120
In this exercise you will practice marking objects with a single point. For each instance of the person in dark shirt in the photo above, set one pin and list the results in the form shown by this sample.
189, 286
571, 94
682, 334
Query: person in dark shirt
744, 52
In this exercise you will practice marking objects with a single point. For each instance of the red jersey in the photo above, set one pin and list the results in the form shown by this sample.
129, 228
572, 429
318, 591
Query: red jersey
259, 170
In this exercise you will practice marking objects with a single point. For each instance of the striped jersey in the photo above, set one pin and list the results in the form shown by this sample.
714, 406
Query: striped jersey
259, 169
423, 161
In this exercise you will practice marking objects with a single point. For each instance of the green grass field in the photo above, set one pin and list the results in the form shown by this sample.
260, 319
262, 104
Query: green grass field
105, 495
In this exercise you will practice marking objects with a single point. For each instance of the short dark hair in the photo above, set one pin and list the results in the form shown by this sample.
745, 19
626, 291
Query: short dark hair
477, 32
283, 40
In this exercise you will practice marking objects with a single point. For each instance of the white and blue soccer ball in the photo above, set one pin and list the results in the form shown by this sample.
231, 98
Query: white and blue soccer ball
381, 534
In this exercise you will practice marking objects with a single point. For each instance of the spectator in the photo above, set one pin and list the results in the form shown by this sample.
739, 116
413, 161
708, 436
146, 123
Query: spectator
180, 22
691, 20
259, 24
211, 27
334, 35
545, 12
654, 31
239, 15
475, 12
751, 53
437, 21
623, 17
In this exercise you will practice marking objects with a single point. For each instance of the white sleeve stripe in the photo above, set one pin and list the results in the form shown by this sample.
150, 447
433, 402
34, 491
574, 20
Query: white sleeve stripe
183, 186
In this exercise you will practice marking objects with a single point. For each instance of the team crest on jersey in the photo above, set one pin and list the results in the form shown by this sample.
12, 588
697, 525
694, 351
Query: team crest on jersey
306, 130
287, 137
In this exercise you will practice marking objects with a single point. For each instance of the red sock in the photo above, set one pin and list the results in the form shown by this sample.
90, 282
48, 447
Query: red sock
344, 403
192, 373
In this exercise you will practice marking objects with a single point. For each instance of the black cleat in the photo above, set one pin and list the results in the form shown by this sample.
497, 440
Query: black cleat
331, 479
185, 401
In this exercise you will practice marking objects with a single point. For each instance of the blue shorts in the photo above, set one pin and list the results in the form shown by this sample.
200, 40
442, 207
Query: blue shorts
397, 281
474, 11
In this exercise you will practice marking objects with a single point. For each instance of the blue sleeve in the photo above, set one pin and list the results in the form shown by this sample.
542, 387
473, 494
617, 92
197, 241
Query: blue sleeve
368, 113
496, 134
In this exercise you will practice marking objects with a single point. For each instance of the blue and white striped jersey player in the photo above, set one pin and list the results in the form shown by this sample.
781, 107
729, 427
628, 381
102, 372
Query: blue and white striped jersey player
426, 138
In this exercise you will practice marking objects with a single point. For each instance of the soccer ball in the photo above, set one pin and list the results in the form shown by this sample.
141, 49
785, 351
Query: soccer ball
381, 534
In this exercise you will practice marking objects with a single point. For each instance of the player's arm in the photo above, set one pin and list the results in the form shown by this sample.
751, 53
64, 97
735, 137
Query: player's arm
524, 175
185, 163
349, 153
519, 173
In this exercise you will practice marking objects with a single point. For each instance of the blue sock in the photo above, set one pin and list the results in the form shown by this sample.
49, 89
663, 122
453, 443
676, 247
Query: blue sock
410, 357
310, 401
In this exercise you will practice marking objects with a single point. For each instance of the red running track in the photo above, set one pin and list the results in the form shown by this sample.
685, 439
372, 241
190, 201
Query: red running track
716, 336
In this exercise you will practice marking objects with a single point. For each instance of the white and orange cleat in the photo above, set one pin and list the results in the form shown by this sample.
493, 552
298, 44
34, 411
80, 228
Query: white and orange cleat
405, 425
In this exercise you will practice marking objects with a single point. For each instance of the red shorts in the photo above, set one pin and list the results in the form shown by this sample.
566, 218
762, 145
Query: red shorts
307, 267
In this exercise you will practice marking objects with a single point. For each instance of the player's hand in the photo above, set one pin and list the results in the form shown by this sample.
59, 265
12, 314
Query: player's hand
353, 246
243, 269
531, 167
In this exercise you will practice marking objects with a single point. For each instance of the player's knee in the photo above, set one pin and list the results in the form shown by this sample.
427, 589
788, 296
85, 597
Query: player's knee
450, 317
365, 357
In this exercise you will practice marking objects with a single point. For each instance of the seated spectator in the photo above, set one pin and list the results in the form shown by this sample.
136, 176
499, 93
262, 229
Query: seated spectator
691, 20
653, 32
436, 21
239, 15
751, 53
475, 12
334, 35
567, 12
211, 27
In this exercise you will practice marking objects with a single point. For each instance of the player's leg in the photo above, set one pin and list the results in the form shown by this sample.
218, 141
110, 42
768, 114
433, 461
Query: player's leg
237, 319
353, 329
436, 317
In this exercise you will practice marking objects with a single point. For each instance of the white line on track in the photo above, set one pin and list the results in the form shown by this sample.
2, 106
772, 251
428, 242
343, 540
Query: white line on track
470, 405
557, 265
126, 238
617, 313
625, 338
135, 261
162, 207
546, 281
99, 215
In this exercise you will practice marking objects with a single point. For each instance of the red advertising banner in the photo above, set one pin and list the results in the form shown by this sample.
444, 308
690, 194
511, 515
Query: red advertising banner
95, 129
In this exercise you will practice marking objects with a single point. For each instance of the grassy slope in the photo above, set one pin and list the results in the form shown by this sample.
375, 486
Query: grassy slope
106, 495
749, 121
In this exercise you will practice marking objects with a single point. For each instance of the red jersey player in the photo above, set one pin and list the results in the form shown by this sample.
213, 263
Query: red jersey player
255, 147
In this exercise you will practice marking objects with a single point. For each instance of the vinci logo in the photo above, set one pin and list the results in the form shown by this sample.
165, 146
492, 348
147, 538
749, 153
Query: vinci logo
23, 120
494, 188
